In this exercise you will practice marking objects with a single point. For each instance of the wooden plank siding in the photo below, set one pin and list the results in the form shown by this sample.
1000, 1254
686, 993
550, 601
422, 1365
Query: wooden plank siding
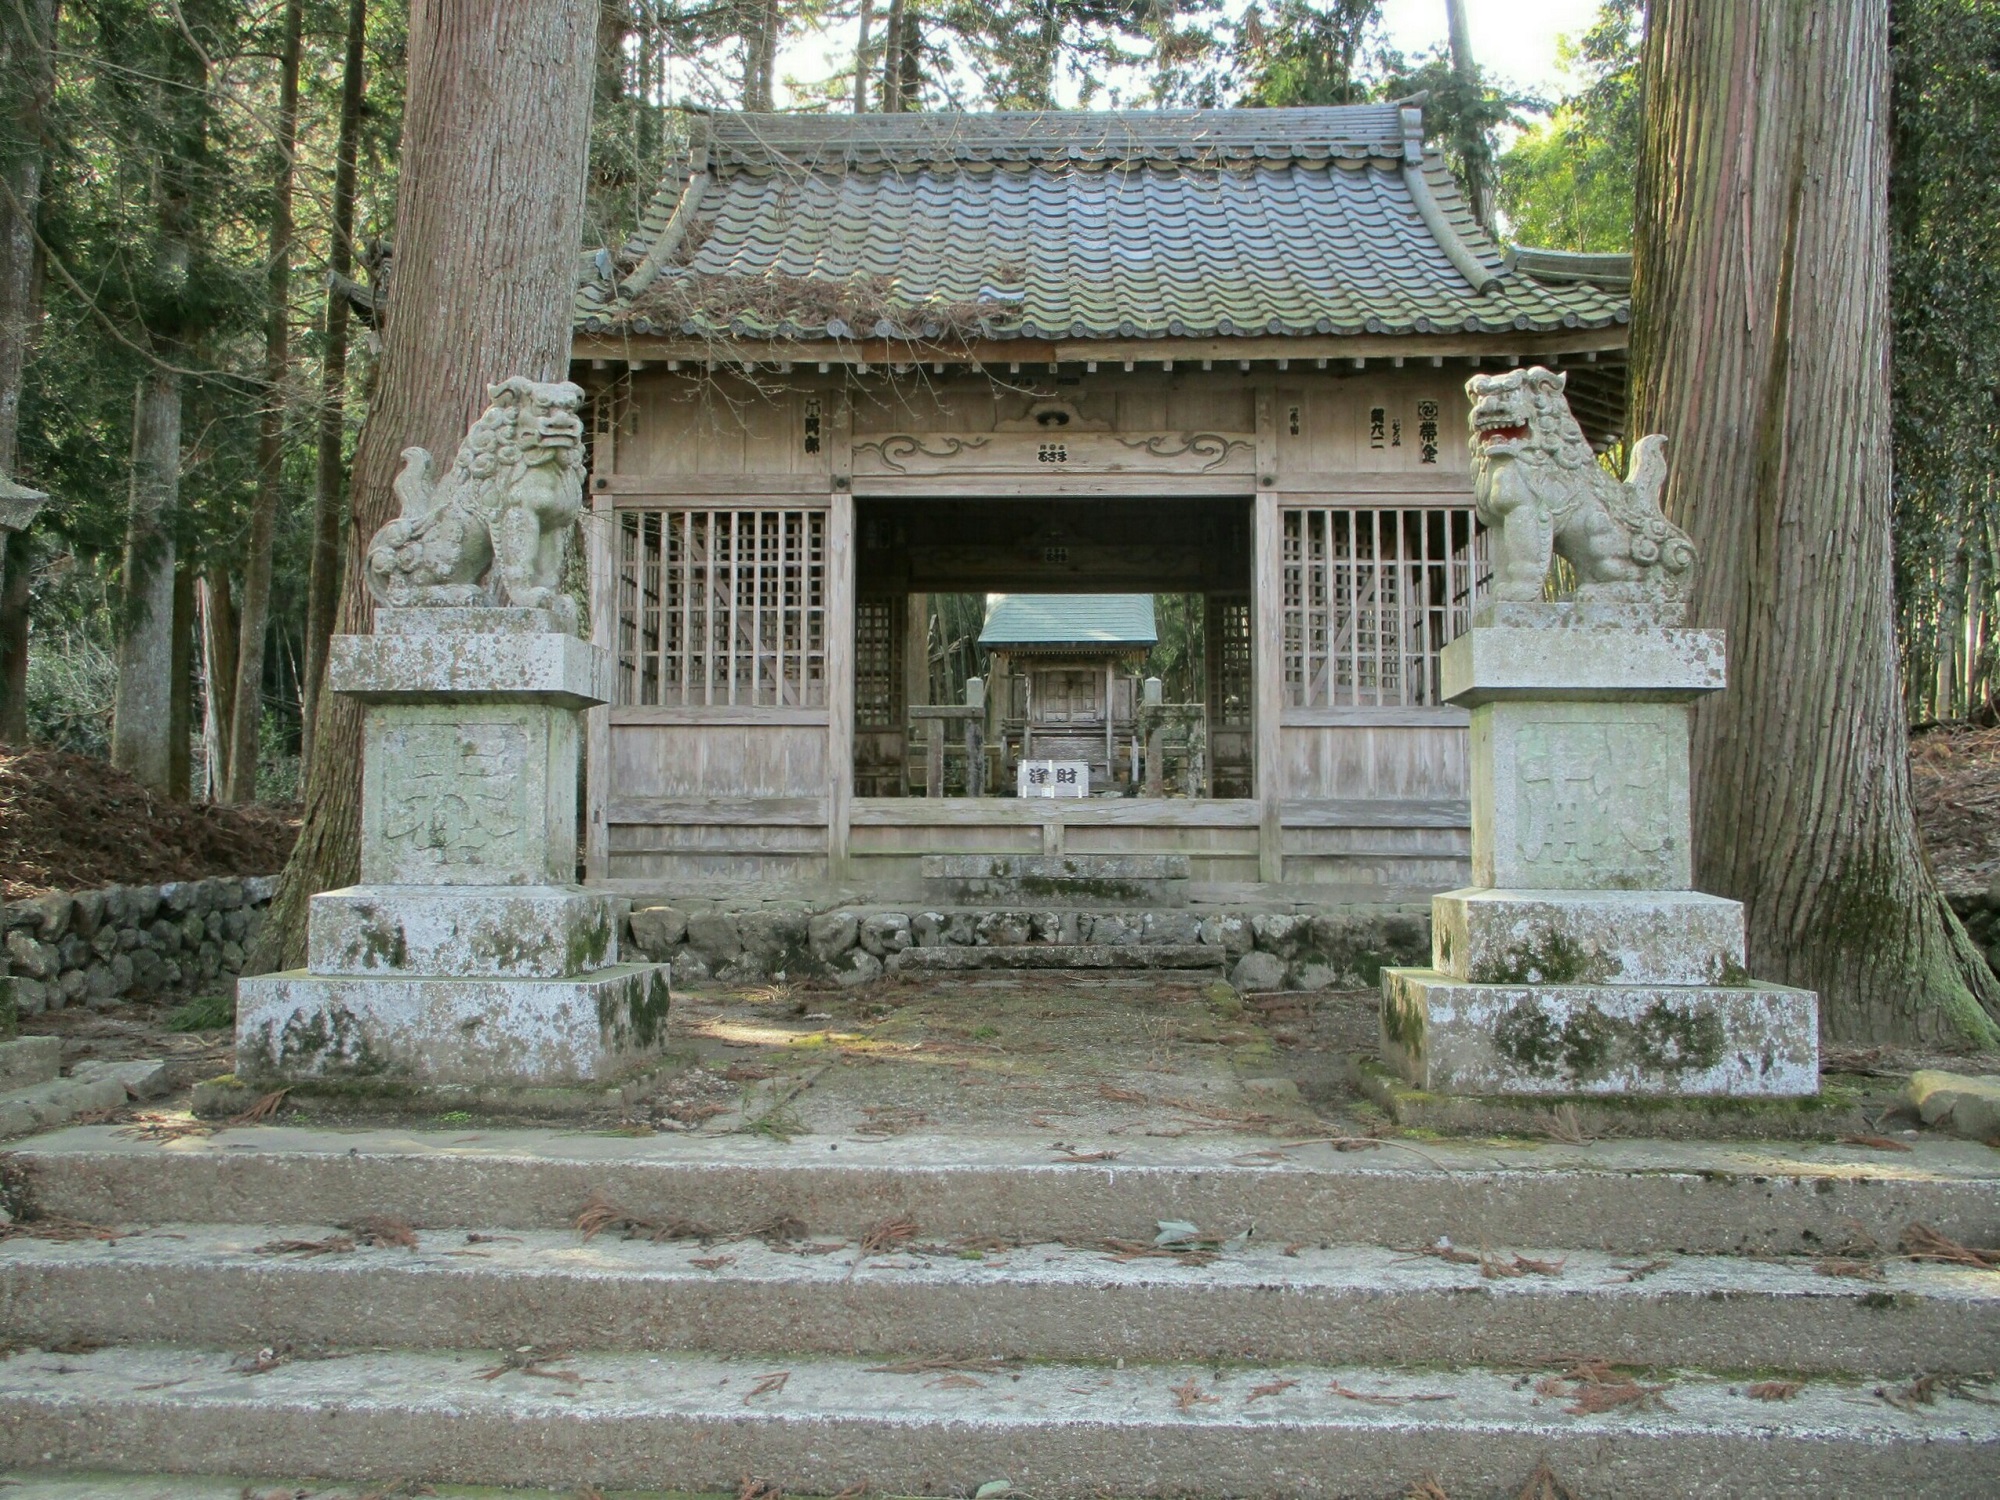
1363, 788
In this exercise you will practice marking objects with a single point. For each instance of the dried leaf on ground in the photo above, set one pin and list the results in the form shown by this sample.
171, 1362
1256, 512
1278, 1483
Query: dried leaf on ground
1921, 1242
1774, 1390
957, 1382
756, 1489
163, 1128
1273, 1388
1640, 1272
712, 1262
1875, 1142
60, 1227
1188, 1395
1445, 1251
1593, 1387
1544, 1485
1071, 1153
333, 1244
261, 1360
1842, 1265
1121, 1096
768, 1385
1922, 1391
532, 1359
384, 1231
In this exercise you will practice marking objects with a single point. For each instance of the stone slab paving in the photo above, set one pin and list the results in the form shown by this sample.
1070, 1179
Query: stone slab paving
1634, 1196
208, 1284
1053, 1430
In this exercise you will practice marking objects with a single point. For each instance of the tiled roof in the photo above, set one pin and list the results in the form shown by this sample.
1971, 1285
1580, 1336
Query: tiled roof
1069, 620
1072, 225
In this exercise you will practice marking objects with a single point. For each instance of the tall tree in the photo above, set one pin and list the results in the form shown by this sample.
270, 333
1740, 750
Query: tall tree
488, 223
330, 475
247, 718
27, 77
1760, 346
1474, 150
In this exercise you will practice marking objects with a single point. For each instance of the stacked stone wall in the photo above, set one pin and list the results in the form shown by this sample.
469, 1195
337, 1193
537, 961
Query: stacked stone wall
131, 942
1262, 950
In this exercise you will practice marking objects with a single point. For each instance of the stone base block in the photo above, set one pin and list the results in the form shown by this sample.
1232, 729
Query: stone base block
1099, 880
462, 932
1657, 1041
451, 1031
1587, 937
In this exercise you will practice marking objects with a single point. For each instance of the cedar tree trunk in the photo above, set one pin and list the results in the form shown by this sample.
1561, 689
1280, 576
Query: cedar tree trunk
330, 487
249, 695
1761, 348
488, 224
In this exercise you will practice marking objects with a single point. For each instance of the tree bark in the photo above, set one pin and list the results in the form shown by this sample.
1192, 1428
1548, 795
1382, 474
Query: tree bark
218, 656
141, 712
180, 694
330, 488
865, 23
247, 719
1760, 346
16, 585
488, 222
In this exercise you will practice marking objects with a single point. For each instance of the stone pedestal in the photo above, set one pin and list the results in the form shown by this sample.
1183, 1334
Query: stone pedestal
467, 955
1581, 961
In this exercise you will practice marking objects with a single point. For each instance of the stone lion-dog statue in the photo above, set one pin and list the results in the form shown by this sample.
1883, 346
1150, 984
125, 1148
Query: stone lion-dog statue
1542, 493
495, 529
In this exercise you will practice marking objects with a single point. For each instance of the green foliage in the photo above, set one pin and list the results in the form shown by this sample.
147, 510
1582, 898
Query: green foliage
203, 1013
1179, 658
1567, 183
1944, 222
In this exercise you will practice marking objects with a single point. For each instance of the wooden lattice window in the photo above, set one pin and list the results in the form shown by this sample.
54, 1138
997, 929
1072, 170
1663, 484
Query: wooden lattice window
722, 608
1229, 660
878, 662
1371, 597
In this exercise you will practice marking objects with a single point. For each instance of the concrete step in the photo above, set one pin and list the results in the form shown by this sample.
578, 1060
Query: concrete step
208, 1283
820, 1425
1061, 956
1625, 1197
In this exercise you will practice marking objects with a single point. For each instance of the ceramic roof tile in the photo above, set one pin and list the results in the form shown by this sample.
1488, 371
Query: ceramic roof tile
1190, 223
1069, 620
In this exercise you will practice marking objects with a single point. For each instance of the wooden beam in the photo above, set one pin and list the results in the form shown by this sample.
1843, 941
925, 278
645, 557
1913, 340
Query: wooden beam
839, 672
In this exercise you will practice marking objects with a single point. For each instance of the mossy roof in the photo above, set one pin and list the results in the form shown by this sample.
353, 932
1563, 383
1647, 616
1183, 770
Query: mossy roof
1075, 225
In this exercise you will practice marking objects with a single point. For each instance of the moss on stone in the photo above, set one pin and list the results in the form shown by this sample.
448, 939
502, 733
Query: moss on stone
1676, 1040
1527, 1036
1548, 957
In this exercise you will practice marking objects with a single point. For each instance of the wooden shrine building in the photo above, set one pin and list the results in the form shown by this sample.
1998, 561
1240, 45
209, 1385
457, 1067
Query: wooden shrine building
1061, 681
849, 361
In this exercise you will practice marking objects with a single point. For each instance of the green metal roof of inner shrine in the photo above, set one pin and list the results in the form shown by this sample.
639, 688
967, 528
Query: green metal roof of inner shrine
1085, 620
1075, 225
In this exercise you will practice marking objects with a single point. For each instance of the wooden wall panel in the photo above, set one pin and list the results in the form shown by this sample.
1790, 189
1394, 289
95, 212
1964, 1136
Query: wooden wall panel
685, 760
1382, 761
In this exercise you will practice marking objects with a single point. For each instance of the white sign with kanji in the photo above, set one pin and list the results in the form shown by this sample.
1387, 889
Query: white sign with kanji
1055, 778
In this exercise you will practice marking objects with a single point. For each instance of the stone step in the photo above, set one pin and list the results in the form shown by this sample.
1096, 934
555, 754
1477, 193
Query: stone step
1623, 1196
1061, 956
91, 1086
1088, 880
817, 1425
553, 1289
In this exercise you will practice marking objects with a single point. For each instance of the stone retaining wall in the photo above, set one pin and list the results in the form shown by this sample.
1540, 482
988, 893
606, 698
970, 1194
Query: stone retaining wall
130, 942
1264, 950
1980, 912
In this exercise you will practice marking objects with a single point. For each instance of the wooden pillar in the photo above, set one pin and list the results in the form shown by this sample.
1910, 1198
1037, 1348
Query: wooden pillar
600, 553
839, 680
1267, 649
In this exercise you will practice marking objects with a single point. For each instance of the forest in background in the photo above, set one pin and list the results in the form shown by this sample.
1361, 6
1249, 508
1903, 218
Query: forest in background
182, 239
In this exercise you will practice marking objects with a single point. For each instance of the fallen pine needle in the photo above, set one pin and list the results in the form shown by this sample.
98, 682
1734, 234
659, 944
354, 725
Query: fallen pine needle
1921, 1242
1543, 1485
713, 1262
333, 1244
768, 1385
384, 1231
1426, 1488
1070, 1153
264, 1109
1445, 1251
957, 1382
530, 1360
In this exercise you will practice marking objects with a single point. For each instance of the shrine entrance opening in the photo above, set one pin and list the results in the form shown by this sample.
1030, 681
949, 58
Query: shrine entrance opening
1109, 633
